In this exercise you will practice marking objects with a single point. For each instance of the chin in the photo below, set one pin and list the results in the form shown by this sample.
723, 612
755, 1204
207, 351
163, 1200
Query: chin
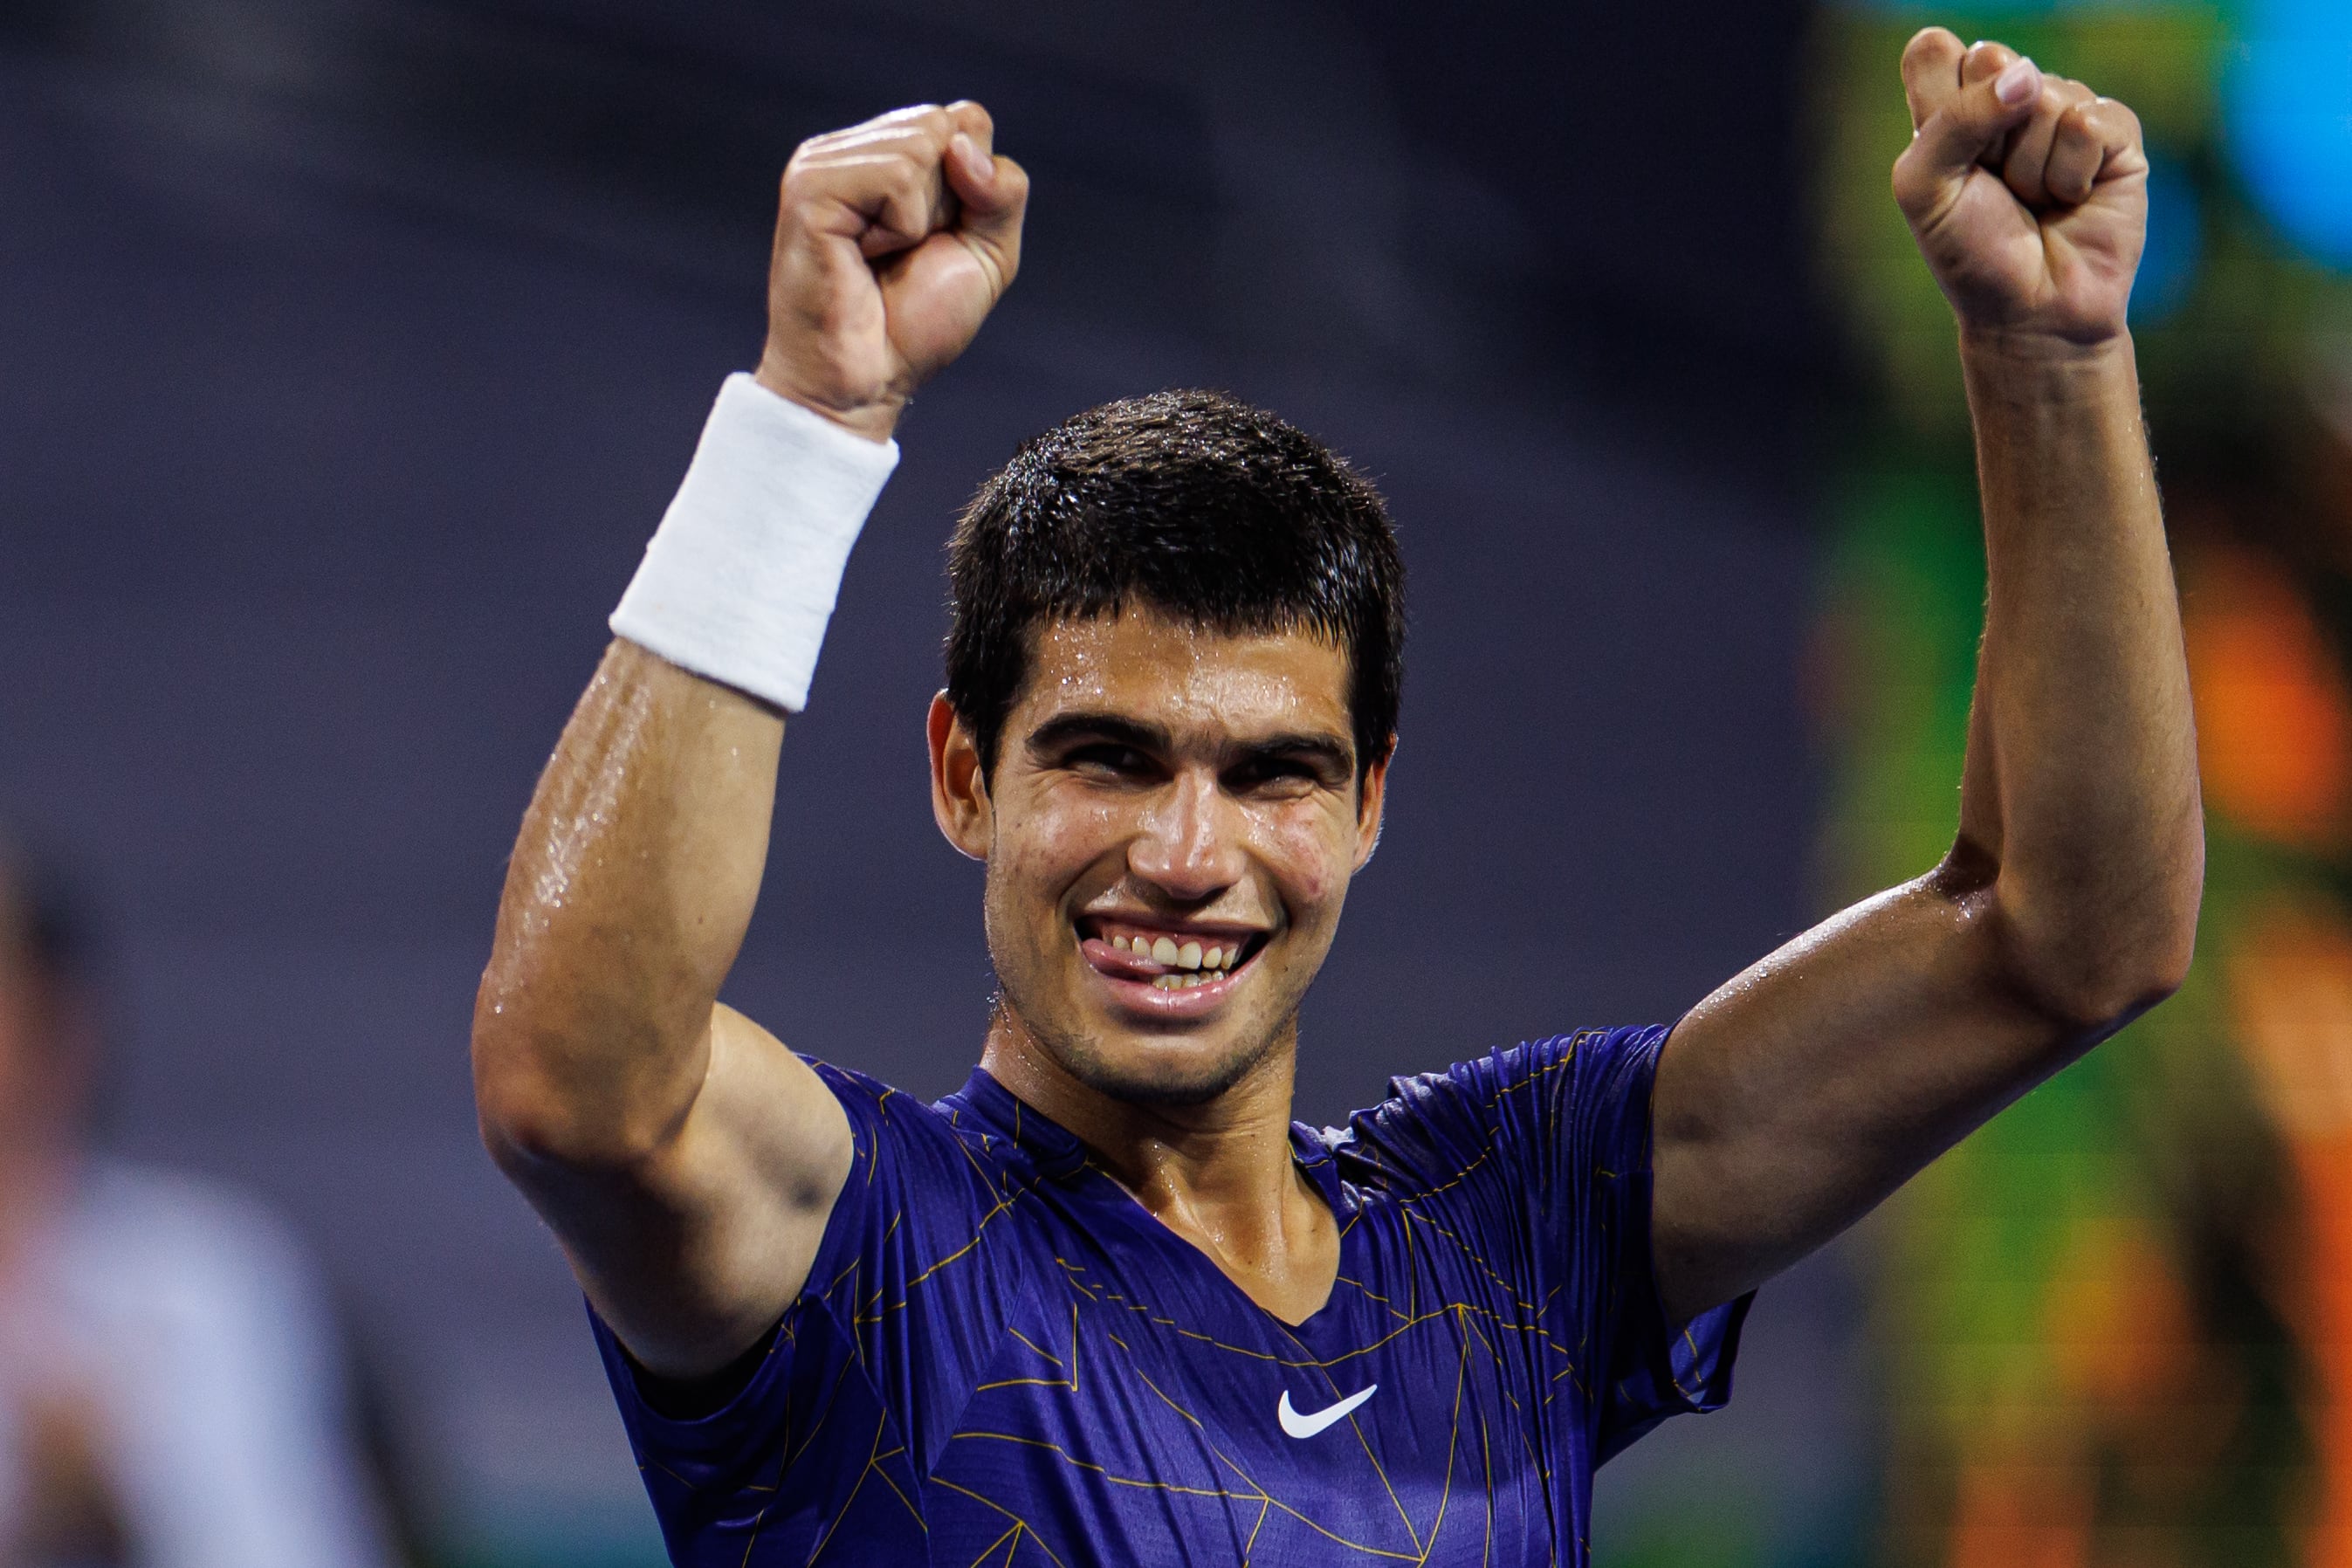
1158, 1071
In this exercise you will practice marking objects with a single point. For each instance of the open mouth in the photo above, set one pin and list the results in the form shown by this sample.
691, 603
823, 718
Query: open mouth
1171, 957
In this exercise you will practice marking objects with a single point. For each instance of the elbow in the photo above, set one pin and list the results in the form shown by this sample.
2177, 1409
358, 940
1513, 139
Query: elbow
524, 1123
2086, 940
2094, 1004
531, 1121
524, 1119
2170, 955
540, 1103
2093, 974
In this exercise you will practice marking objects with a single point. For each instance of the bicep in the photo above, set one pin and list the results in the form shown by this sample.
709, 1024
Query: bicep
1810, 1087
693, 1251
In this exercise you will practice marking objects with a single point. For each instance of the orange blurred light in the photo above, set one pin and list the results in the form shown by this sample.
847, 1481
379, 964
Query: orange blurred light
2274, 720
2289, 976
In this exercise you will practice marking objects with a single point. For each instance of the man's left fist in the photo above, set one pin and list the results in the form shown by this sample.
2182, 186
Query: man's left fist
2027, 193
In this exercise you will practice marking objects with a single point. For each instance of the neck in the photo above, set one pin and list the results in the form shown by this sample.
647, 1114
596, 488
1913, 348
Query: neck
1219, 1173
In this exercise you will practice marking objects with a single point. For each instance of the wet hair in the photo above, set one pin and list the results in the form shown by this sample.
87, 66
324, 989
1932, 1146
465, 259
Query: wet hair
1194, 505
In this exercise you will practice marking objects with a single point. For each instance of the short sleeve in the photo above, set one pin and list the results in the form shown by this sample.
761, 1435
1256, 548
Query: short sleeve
1548, 1142
1656, 1368
867, 1369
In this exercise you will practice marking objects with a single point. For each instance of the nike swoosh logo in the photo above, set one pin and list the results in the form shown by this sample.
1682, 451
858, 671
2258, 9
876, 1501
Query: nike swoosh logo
1299, 1426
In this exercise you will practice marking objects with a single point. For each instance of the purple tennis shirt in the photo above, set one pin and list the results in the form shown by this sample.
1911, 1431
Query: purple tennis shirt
1001, 1358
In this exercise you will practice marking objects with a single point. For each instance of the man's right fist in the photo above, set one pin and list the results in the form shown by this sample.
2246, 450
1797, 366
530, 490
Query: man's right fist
893, 240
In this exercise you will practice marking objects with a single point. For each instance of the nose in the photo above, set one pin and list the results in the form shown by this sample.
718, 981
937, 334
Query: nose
1189, 845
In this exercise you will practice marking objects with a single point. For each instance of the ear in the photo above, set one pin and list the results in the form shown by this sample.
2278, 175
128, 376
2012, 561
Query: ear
1371, 799
959, 788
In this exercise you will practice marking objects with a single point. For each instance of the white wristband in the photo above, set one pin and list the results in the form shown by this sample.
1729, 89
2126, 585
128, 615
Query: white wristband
739, 581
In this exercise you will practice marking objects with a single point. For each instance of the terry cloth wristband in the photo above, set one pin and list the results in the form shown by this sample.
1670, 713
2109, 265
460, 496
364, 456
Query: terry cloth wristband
739, 581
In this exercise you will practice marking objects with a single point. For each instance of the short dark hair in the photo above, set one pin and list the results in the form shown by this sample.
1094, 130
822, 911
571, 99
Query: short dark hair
1193, 504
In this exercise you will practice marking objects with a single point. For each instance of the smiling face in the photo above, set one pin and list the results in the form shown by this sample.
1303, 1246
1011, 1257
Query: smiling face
1170, 833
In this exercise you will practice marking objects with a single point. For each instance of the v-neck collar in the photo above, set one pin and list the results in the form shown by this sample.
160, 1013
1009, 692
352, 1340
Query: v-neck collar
1059, 1155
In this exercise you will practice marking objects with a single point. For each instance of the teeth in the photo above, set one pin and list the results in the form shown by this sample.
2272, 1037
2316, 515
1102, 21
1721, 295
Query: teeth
1194, 957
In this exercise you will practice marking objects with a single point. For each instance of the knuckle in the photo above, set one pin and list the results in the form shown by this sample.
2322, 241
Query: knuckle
824, 142
1909, 182
1929, 42
2103, 117
1987, 58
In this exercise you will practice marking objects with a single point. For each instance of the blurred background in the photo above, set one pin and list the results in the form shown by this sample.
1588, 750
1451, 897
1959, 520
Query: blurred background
350, 350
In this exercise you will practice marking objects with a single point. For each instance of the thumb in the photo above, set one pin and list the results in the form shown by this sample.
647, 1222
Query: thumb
993, 192
1965, 126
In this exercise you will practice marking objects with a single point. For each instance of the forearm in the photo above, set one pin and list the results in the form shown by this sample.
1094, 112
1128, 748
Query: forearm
2080, 799
629, 892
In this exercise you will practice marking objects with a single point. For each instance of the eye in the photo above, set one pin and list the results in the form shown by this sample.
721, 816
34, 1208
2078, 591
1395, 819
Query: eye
1275, 776
1107, 758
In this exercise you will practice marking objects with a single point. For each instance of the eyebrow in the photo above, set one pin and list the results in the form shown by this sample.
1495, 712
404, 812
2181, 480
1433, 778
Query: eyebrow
1333, 753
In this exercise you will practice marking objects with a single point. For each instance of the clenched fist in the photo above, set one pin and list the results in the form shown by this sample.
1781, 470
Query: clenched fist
2027, 193
894, 239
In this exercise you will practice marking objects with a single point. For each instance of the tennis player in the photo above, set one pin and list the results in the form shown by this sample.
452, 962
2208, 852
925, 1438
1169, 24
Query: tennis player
1107, 1303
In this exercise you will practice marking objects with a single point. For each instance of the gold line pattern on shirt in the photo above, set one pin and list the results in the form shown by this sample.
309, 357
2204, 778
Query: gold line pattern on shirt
1475, 1327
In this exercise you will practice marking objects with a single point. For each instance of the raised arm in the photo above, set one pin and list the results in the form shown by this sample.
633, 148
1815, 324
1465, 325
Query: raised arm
687, 1159
1807, 1089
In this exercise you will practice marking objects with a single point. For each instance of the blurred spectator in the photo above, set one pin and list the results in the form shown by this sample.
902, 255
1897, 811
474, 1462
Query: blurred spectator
170, 1383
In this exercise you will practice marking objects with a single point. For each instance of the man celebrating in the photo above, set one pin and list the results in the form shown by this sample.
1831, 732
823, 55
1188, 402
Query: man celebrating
1106, 1303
